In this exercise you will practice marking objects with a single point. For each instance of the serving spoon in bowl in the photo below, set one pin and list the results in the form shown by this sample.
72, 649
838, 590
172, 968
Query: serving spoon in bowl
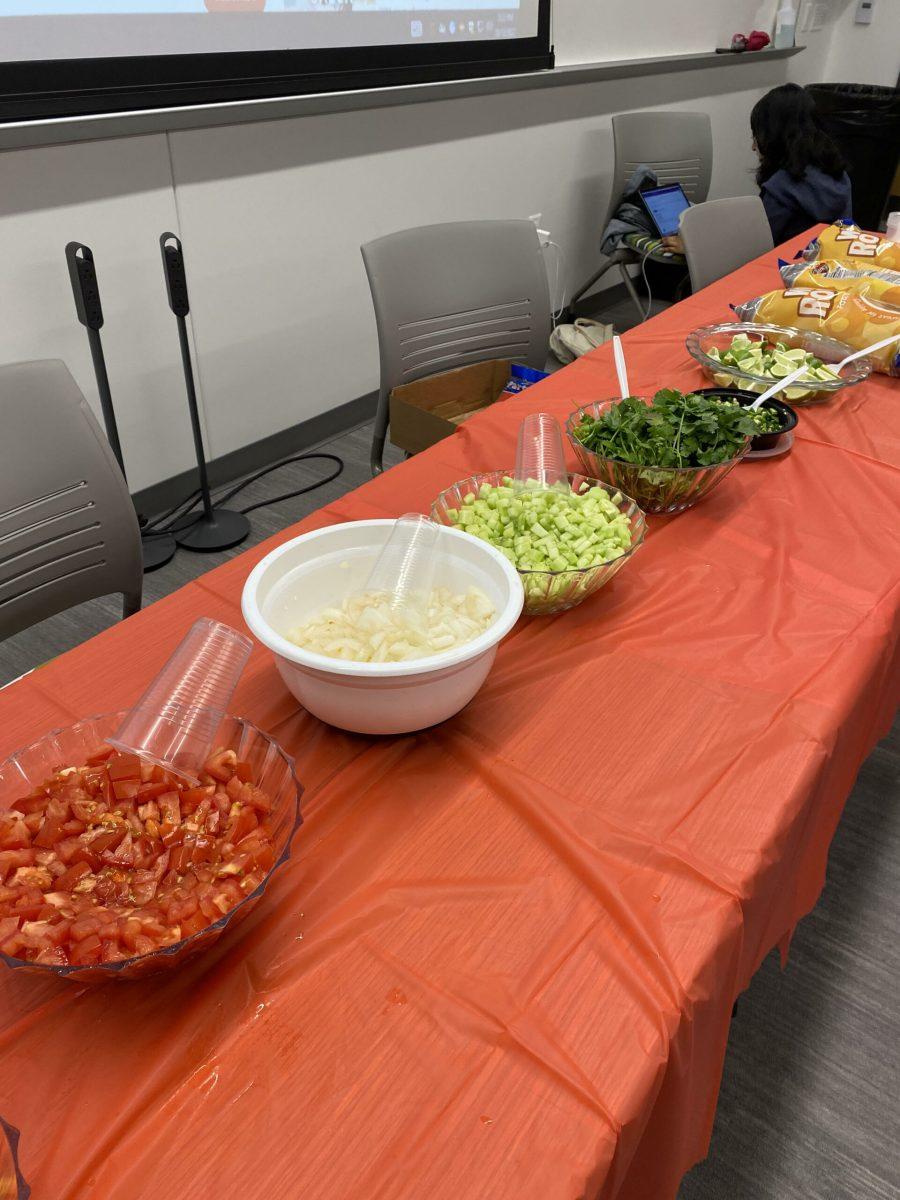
780, 384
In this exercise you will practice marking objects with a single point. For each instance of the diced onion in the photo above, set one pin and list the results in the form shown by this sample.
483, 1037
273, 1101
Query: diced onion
367, 627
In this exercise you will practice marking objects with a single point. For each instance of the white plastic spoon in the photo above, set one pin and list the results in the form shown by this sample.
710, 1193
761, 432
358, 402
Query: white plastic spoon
619, 354
794, 375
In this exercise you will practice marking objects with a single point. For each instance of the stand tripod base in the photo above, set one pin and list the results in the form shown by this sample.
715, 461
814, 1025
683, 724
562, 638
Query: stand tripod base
218, 532
157, 551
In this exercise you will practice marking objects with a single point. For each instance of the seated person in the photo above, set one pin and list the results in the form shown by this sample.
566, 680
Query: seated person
801, 172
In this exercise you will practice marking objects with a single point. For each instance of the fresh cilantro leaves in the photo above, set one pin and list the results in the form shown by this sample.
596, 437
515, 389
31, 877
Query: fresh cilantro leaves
674, 430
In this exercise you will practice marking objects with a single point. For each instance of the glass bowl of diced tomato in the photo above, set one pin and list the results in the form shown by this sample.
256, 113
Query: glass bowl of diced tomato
113, 867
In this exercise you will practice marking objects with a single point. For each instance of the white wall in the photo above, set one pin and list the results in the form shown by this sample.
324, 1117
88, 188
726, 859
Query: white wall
600, 30
116, 197
864, 53
272, 216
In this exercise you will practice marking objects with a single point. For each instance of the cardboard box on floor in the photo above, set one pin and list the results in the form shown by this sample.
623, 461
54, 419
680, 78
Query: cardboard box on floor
430, 409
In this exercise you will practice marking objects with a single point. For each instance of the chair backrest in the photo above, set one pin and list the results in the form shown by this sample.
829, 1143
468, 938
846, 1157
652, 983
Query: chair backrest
676, 145
722, 235
68, 530
449, 295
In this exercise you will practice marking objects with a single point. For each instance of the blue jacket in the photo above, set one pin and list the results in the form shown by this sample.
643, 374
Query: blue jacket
792, 205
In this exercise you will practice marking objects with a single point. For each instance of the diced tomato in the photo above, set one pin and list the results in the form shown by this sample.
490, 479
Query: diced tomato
150, 791
169, 808
143, 887
171, 835
120, 858
86, 951
106, 840
101, 756
236, 865
29, 804
126, 789
33, 821
182, 856
84, 926
8, 926
243, 821
52, 956
112, 952
257, 797
124, 766
204, 850
51, 830
122, 855
193, 924
11, 860
221, 765
66, 882
67, 848
191, 797
14, 832
262, 853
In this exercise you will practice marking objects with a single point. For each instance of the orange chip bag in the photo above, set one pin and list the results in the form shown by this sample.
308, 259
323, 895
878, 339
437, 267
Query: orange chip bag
854, 320
848, 243
881, 286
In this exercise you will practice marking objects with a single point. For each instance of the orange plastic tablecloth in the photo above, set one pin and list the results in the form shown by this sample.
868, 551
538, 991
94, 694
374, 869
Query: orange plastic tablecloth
502, 961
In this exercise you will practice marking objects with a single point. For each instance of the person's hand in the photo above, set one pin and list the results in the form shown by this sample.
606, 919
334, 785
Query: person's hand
673, 243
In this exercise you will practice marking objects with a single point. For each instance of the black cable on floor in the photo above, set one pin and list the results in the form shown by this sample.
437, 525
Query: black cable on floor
288, 495
194, 499
190, 500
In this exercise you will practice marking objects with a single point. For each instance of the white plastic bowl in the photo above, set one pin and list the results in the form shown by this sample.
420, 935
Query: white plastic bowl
317, 569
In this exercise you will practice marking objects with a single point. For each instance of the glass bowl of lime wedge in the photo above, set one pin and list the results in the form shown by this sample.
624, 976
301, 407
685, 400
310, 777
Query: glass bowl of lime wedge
752, 357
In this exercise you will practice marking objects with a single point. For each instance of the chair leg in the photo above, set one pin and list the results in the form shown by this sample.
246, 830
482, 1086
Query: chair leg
582, 291
131, 604
632, 292
376, 460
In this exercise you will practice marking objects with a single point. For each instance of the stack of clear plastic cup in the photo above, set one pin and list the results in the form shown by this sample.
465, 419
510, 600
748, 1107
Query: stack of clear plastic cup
540, 456
405, 568
176, 720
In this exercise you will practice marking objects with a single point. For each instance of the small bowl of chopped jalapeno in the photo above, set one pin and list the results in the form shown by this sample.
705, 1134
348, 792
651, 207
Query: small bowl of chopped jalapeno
741, 354
565, 541
774, 418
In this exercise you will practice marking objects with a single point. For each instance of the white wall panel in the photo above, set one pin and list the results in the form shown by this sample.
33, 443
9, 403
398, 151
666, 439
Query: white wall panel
115, 196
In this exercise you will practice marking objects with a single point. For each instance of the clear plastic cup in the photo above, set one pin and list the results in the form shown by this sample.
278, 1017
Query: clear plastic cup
540, 456
405, 568
175, 721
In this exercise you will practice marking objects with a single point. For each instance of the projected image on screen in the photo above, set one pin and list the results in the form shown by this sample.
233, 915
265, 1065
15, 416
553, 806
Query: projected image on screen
66, 29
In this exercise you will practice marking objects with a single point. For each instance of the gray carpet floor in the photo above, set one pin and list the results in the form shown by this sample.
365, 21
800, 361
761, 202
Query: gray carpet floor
810, 1100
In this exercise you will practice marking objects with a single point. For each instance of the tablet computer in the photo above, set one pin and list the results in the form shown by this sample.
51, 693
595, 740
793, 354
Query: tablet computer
664, 207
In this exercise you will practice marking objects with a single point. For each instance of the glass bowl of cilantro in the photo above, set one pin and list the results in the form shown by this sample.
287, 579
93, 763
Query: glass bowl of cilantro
669, 452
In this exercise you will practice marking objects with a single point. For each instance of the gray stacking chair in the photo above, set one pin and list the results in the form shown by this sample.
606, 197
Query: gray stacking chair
722, 235
450, 295
678, 147
68, 530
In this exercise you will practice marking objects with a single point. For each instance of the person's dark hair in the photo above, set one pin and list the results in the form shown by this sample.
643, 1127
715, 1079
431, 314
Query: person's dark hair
788, 135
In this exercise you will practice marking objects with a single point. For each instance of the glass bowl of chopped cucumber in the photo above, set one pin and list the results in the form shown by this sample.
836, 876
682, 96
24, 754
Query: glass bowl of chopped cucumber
751, 357
566, 542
